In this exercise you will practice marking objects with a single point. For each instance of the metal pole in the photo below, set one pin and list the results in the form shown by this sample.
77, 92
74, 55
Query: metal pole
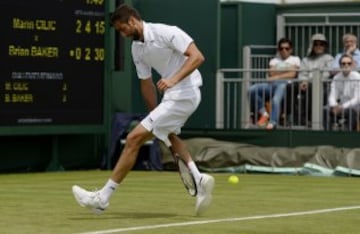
219, 115
245, 105
317, 96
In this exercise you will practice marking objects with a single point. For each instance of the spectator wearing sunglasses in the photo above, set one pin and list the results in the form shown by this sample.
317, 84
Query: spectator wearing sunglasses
350, 48
283, 67
317, 58
344, 98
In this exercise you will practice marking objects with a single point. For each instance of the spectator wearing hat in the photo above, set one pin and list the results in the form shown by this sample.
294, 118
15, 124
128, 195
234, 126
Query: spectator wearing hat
317, 58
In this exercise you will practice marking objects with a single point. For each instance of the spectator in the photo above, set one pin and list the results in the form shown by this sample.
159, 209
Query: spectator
283, 67
344, 98
350, 48
316, 58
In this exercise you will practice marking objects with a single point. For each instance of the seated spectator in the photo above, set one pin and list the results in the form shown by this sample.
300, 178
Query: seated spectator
344, 98
350, 48
282, 68
316, 58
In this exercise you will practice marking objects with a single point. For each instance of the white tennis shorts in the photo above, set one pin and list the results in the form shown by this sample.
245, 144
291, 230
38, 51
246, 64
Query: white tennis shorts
171, 114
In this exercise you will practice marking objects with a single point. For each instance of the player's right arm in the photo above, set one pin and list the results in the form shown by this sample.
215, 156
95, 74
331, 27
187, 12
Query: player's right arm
147, 86
148, 92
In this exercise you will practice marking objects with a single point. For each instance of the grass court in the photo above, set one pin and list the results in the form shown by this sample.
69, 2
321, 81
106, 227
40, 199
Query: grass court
156, 202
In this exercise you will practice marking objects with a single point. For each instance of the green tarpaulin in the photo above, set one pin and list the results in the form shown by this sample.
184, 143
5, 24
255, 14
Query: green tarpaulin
222, 156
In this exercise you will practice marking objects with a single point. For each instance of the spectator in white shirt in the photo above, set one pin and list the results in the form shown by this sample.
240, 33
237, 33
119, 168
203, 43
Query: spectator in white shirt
283, 67
344, 98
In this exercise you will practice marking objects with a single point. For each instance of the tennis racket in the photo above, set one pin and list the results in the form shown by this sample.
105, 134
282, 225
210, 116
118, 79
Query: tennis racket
185, 175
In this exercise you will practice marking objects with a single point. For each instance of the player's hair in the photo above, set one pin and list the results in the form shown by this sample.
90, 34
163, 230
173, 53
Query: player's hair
123, 13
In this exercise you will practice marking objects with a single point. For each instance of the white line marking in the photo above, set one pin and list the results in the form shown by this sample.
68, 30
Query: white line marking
310, 212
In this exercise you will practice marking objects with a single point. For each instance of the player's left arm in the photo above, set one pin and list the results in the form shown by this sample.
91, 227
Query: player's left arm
194, 59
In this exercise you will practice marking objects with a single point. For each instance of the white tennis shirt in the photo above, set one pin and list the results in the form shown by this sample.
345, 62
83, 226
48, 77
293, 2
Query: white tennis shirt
163, 50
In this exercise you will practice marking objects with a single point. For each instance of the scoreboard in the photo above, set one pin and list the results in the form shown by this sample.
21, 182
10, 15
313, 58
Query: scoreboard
52, 62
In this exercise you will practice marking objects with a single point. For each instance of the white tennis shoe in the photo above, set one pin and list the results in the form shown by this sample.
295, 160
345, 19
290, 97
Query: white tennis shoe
204, 195
90, 200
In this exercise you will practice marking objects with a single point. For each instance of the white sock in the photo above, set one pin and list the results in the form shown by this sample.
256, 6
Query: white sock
195, 171
108, 189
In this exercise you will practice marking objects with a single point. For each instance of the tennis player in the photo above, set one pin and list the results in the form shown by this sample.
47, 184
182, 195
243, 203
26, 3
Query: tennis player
173, 54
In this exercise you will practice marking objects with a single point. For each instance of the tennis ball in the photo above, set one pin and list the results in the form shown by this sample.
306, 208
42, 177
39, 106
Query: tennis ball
233, 179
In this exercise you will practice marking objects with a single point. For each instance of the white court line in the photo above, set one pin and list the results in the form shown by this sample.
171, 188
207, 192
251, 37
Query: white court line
157, 226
